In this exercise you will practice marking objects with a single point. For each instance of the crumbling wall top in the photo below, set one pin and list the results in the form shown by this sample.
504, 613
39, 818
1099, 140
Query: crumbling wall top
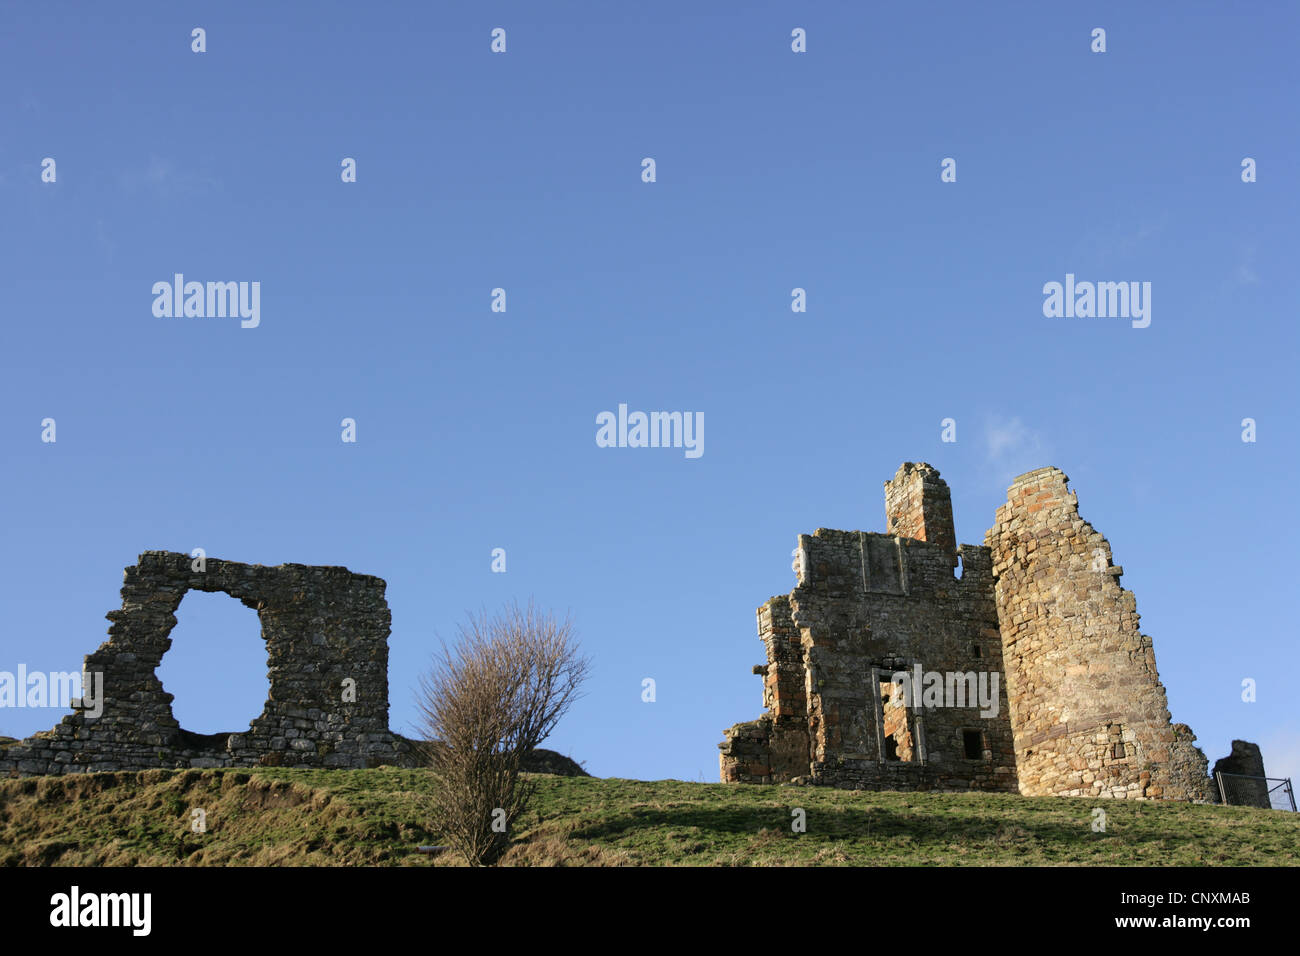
918, 505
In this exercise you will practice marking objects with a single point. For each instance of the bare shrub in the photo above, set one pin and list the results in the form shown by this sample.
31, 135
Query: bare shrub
485, 705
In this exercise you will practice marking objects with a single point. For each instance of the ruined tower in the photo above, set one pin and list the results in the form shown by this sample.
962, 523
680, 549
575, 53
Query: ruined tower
867, 608
1080, 710
1089, 712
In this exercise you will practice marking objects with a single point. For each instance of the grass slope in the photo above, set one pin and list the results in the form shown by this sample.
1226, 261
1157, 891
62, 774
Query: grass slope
377, 817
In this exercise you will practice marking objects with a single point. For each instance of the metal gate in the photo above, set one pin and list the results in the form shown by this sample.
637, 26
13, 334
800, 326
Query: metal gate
1269, 793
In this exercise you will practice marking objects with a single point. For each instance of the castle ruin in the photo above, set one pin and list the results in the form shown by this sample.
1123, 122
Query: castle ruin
326, 631
1024, 673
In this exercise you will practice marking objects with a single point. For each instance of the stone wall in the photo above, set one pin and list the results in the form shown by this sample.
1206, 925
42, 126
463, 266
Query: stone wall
1090, 714
866, 606
1245, 785
1082, 711
326, 631
918, 505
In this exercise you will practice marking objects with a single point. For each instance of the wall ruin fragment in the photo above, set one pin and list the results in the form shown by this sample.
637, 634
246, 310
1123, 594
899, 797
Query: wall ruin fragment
326, 631
866, 607
1090, 714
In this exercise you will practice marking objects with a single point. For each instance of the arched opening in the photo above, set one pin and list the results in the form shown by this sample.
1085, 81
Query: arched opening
216, 668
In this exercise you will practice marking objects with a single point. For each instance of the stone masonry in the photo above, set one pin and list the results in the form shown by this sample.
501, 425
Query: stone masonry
1080, 710
868, 606
326, 631
1088, 709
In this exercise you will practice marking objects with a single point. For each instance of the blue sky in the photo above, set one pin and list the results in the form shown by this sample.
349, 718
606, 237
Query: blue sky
476, 429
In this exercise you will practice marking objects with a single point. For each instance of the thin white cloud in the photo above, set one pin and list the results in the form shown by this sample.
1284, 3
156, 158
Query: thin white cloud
162, 177
1118, 242
1012, 448
1009, 438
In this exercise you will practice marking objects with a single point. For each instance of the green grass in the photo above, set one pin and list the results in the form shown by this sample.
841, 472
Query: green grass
291, 817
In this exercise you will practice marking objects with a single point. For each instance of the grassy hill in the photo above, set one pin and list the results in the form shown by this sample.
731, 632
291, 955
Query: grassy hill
377, 817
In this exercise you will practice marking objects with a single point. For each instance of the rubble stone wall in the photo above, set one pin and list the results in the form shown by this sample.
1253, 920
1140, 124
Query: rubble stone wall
918, 504
326, 631
1081, 710
1090, 714
867, 606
